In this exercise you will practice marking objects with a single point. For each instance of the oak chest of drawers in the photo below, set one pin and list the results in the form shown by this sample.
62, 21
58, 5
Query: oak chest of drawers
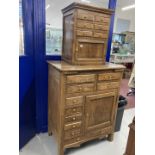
82, 102
85, 34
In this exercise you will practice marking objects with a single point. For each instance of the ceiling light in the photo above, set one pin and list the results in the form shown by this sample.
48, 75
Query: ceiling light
128, 7
86, 1
47, 6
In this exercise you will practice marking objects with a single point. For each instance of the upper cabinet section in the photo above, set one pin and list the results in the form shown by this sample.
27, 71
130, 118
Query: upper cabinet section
85, 34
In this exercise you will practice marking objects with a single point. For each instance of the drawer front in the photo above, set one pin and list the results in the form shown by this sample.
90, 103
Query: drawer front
102, 18
74, 101
84, 33
80, 78
73, 111
72, 134
73, 140
103, 35
72, 126
74, 118
85, 25
80, 88
101, 27
97, 132
109, 76
107, 85
85, 16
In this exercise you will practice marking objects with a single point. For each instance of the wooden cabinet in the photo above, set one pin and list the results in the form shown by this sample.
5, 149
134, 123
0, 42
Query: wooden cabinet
82, 102
85, 34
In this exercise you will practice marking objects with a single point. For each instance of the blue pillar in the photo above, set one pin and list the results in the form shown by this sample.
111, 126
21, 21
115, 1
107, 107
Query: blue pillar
112, 6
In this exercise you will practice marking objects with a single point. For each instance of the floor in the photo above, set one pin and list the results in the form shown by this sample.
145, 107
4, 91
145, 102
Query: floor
124, 90
43, 144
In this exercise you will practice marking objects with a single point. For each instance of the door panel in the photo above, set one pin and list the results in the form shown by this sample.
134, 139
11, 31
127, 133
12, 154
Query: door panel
99, 110
90, 50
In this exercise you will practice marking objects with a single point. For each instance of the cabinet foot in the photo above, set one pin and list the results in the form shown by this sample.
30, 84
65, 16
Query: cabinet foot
110, 137
50, 133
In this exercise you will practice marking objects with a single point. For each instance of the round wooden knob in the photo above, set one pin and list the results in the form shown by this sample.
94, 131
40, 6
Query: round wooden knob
74, 118
80, 88
74, 101
74, 110
74, 126
78, 139
73, 133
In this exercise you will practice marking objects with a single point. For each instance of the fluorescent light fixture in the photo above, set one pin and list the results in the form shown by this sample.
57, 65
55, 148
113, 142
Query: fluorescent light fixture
85, 1
128, 7
47, 6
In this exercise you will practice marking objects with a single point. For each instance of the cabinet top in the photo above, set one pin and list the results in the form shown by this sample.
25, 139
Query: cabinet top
63, 66
86, 7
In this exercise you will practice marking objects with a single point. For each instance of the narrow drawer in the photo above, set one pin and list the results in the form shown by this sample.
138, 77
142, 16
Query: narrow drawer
85, 15
73, 140
74, 101
99, 18
73, 111
82, 24
75, 118
84, 33
80, 78
109, 76
101, 27
81, 88
103, 35
72, 134
107, 85
72, 126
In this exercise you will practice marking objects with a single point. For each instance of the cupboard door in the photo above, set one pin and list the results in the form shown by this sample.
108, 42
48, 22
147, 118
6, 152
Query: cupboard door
90, 50
100, 110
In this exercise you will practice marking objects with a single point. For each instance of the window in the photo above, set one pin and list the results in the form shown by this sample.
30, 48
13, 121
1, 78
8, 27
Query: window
21, 41
54, 22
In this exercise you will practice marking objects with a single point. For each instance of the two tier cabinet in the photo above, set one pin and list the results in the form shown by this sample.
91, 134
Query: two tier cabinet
82, 102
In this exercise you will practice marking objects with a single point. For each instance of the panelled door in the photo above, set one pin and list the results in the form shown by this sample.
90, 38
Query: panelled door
100, 110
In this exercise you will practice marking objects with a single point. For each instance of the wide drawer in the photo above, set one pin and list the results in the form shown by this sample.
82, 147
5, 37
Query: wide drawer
73, 111
107, 85
96, 132
84, 33
103, 35
102, 19
72, 134
75, 118
73, 140
109, 76
85, 15
82, 24
72, 126
80, 88
101, 27
80, 78
74, 101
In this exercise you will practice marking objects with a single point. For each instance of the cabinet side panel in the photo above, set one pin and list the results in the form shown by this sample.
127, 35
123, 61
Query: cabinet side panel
68, 26
53, 101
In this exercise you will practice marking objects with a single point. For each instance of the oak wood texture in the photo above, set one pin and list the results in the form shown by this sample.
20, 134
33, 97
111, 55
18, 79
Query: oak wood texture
130, 148
85, 34
82, 102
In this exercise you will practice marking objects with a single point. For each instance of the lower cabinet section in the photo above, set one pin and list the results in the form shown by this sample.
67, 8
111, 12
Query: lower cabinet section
82, 104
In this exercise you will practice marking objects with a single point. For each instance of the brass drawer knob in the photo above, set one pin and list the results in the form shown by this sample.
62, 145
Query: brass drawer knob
74, 118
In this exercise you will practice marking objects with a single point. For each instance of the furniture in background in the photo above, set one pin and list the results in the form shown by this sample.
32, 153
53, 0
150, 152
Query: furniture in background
83, 91
85, 34
130, 149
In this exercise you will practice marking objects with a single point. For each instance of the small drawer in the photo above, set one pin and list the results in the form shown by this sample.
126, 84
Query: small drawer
74, 101
72, 134
109, 76
102, 18
107, 85
84, 33
101, 27
75, 118
80, 78
80, 88
74, 140
103, 35
72, 126
85, 16
82, 24
73, 111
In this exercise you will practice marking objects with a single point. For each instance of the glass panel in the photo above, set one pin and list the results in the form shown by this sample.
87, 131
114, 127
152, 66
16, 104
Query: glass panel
21, 41
54, 22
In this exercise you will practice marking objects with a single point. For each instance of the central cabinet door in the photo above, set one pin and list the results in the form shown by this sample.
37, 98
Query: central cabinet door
90, 51
100, 110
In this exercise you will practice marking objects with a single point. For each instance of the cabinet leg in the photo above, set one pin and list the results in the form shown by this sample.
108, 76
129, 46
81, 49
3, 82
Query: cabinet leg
61, 151
111, 137
50, 133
